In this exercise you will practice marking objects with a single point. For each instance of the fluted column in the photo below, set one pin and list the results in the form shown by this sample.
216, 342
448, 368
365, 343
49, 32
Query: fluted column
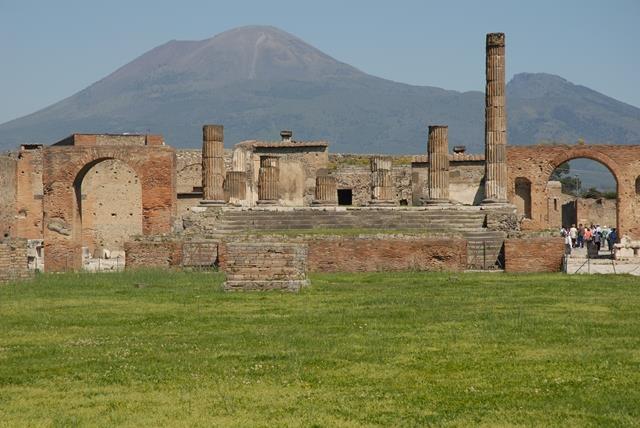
495, 186
238, 160
236, 187
438, 149
212, 164
382, 191
326, 190
268, 180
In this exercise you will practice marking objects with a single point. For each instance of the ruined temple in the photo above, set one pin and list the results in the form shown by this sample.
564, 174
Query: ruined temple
98, 201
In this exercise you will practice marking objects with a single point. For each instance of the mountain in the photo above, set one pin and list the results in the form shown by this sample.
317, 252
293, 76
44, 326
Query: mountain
258, 80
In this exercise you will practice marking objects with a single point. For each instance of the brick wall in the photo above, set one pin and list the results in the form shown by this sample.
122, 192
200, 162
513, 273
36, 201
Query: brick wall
199, 254
153, 254
7, 196
263, 265
370, 254
13, 261
29, 193
533, 254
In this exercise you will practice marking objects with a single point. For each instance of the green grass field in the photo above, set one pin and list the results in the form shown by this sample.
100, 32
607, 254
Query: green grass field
407, 349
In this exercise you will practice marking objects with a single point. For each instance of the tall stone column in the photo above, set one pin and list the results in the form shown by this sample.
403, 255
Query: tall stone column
268, 180
438, 149
326, 191
212, 165
382, 191
495, 140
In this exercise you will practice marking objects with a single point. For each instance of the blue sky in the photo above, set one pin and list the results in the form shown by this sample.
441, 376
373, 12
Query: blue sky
52, 49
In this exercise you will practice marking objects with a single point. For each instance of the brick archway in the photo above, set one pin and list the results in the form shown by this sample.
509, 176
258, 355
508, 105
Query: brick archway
536, 163
65, 163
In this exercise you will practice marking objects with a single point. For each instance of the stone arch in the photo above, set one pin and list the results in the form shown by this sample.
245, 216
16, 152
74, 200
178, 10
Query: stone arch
100, 222
64, 167
585, 153
596, 156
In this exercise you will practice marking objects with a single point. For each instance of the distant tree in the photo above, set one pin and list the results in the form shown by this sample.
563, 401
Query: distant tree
562, 170
570, 185
592, 193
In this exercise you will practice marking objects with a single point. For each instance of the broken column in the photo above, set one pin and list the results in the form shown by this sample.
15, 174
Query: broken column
438, 149
326, 190
382, 191
268, 180
235, 183
238, 160
212, 165
236, 187
495, 186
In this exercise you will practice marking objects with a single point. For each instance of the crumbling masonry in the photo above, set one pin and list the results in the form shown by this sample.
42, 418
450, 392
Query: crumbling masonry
183, 207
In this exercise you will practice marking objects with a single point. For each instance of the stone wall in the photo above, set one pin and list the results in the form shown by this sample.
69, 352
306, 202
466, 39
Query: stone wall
353, 171
13, 261
159, 252
199, 253
371, 254
153, 254
533, 254
466, 179
7, 196
111, 206
29, 192
596, 211
264, 265
299, 163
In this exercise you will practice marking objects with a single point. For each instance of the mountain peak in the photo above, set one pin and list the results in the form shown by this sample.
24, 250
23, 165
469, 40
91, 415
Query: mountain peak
537, 85
258, 79
255, 52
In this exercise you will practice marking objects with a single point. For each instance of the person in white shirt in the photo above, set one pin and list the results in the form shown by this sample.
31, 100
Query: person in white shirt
568, 243
573, 233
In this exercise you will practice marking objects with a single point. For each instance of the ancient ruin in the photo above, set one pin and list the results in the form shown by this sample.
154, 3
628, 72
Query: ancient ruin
495, 135
103, 202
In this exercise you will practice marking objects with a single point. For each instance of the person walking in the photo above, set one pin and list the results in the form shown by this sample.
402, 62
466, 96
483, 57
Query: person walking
573, 233
597, 237
581, 236
568, 244
612, 238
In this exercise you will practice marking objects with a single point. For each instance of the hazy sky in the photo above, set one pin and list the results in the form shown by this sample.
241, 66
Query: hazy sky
52, 49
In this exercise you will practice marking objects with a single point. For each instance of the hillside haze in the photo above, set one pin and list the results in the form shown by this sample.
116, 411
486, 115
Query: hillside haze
258, 80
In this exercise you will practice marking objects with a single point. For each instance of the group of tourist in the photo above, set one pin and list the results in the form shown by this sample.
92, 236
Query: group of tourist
576, 237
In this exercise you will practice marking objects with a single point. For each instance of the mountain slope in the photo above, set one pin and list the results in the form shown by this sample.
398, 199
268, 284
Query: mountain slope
258, 80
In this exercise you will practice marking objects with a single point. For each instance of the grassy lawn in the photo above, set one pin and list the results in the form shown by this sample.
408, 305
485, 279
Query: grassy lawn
408, 349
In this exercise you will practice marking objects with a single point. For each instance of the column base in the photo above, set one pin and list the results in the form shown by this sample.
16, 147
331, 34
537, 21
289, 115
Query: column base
267, 202
493, 201
211, 203
379, 203
437, 202
324, 204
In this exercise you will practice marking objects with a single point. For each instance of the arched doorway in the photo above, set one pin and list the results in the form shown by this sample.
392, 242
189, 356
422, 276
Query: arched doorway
108, 212
582, 191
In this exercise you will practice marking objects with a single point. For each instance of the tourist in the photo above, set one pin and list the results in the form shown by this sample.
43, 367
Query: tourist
597, 237
581, 236
568, 244
612, 238
605, 236
573, 232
